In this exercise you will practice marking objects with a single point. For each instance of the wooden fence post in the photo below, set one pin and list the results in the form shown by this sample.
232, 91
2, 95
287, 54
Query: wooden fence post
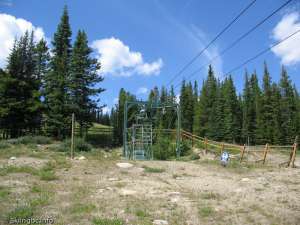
192, 141
265, 153
205, 143
242, 153
293, 154
72, 136
292, 162
222, 148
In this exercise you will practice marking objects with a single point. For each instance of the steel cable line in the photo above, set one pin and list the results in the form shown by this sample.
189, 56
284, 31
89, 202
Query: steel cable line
211, 42
238, 40
261, 53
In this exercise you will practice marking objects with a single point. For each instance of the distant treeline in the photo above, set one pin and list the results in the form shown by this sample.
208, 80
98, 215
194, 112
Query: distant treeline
40, 91
260, 114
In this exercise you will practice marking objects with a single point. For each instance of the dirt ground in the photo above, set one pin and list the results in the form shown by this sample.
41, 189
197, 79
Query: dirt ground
91, 190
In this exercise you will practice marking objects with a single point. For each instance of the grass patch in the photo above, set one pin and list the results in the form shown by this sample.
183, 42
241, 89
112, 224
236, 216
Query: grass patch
21, 212
36, 189
120, 184
206, 211
42, 200
210, 195
4, 192
47, 175
80, 193
79, 208
14, 169
141, 213
153, 169
100, 221
27, 211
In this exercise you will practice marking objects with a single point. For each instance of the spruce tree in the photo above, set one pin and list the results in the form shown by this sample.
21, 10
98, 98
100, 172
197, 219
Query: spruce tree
42, 57
276, 115
19, 95
251, 105
231, 107
83, 78
288, 108
187, 106
265, 128
57, 99
118, 125
205, 111
219, 104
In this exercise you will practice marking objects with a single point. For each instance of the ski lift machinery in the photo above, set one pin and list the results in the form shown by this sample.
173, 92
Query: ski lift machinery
138, 138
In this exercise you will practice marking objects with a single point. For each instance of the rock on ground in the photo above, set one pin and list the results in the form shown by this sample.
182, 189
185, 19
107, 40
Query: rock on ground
125, 192
160, 222
124, 165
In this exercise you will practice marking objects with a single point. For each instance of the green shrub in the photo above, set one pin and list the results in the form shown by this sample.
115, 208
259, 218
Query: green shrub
42, 140
185, 148
80, 145
30, 140
194, 156
4, 144
163, 149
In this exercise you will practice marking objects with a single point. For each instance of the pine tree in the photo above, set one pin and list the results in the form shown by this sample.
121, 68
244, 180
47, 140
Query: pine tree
297, 112
163, 115
231, 107
118, 120
288, 108
265, 128
58, 112
171, 114
251, 105
187, 106
205, 111
82, 80
20, 105
42, 58
219, 112
276, 114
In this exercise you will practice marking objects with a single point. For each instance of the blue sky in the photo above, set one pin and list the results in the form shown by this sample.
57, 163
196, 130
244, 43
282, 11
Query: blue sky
144, 43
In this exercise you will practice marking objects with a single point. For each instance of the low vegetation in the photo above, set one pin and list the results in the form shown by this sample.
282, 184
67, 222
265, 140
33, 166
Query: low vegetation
153, 169
100, 221
81, 189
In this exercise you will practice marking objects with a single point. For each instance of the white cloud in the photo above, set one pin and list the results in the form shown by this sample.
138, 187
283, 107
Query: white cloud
150, 68
117, 59
11, 28
142, 91
289, 50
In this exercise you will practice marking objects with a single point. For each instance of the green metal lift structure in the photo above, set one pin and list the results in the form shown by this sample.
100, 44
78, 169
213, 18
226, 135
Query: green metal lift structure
138, 139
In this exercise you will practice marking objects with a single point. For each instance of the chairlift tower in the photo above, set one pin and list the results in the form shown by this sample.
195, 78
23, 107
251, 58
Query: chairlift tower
138, 138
